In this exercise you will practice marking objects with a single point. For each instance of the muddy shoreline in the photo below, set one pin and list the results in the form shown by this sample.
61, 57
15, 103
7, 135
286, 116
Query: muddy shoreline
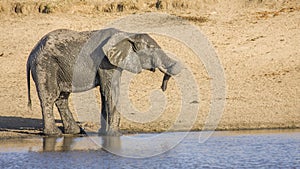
256, 42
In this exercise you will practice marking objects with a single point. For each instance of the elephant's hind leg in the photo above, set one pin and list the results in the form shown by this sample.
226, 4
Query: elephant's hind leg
70, 126
47, 100
49, 122
47, 110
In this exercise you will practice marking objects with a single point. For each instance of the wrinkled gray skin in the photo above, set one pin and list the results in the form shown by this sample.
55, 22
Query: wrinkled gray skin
66, 61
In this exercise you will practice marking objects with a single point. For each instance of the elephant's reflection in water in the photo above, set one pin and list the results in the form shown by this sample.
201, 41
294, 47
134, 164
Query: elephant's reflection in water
111, 144
108, 143
55, 143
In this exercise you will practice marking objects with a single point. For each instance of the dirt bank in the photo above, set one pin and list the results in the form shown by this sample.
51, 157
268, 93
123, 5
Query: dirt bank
257, 43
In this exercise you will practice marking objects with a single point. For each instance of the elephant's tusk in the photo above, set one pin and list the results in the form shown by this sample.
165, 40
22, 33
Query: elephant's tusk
163, 71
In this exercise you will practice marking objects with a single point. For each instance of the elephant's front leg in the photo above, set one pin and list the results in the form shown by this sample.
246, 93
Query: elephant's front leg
110, 119
111, 116
113, 120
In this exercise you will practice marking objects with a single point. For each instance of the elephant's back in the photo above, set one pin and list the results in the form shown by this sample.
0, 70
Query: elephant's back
59, 43
65, 47
64, 42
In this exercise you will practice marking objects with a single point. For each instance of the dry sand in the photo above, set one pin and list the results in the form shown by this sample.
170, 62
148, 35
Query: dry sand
257, 43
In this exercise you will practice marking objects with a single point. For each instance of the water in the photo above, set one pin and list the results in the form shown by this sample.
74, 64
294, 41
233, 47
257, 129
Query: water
246, 149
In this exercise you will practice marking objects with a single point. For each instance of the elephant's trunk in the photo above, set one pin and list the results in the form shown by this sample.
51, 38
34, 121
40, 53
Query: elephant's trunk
165, 82
168, 66
171, 71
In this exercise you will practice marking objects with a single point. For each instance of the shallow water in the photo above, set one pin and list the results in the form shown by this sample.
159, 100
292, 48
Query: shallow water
244, 149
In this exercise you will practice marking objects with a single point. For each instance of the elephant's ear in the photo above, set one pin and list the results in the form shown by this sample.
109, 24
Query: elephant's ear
120, 51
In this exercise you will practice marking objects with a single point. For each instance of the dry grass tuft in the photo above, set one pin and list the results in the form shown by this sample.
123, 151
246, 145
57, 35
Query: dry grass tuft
198, 19
132, 6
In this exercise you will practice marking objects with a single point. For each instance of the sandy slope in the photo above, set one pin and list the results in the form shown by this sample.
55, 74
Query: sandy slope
257, 44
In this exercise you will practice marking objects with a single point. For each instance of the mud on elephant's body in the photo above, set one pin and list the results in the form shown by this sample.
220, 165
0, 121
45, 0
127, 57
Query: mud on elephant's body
66, 61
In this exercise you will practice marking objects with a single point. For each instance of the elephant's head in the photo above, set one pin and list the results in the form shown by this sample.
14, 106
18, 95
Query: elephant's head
134, 52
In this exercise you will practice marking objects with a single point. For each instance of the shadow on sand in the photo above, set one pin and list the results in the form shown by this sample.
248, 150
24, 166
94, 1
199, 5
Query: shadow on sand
21, 125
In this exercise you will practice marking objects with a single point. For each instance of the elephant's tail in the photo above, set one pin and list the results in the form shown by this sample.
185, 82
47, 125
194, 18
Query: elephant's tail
28, 67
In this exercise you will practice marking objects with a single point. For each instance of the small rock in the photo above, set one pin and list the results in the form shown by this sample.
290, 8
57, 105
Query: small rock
194, 102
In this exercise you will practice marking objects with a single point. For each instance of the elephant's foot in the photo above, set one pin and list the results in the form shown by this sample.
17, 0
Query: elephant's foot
110, 132
113, 132
54, 131
102, 132
75, 129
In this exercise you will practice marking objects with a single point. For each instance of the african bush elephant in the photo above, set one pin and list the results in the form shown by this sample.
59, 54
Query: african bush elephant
66, 61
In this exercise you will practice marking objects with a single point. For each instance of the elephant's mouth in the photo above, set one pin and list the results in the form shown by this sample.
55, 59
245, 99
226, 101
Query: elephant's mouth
152, 69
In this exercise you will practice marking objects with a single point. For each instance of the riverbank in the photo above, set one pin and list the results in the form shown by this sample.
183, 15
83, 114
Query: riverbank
257, 43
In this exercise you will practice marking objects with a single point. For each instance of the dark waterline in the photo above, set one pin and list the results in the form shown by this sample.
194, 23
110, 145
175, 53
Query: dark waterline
245, 149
